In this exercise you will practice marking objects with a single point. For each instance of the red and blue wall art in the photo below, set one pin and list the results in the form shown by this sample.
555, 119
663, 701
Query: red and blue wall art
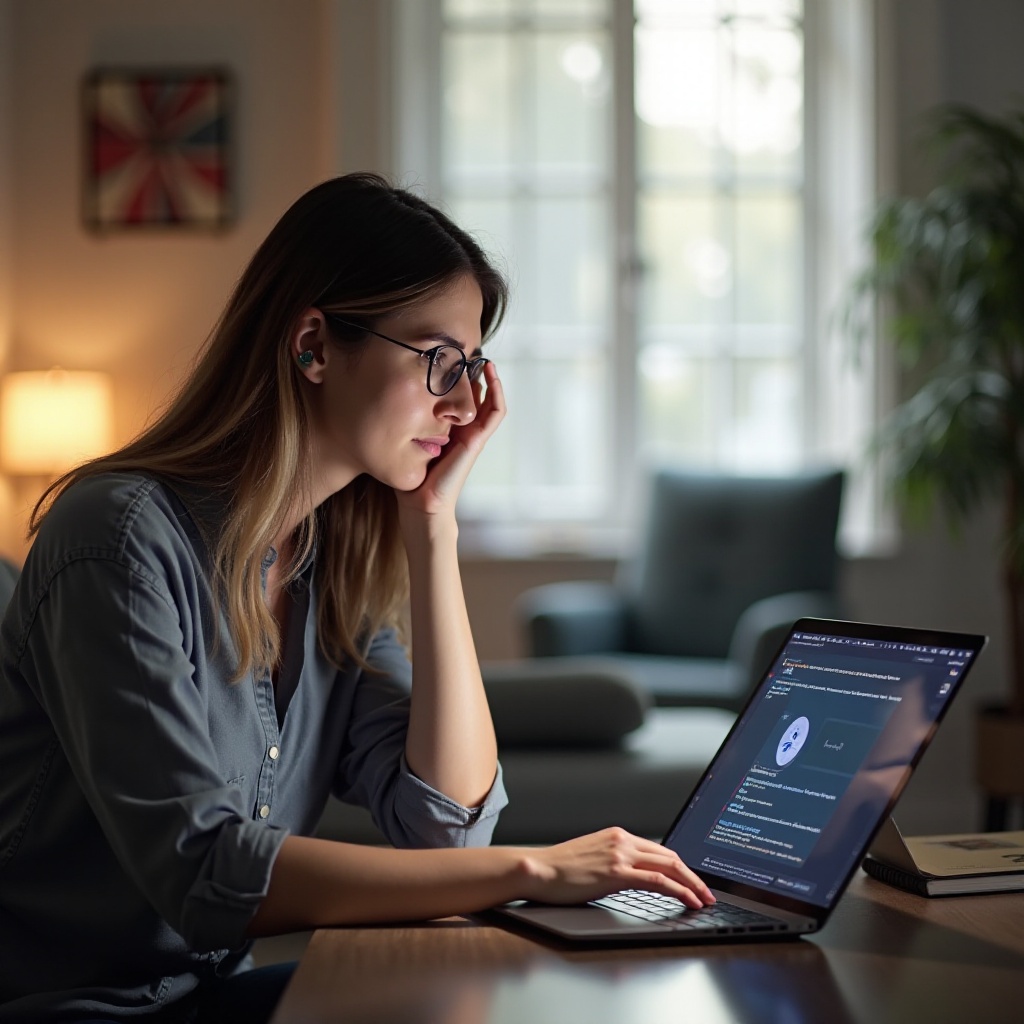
157, 149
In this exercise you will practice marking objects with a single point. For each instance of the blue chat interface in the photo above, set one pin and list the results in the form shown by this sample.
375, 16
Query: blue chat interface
791, 799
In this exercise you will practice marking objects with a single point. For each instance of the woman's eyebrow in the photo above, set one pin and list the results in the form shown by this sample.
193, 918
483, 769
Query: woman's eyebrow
441, 336
449, 340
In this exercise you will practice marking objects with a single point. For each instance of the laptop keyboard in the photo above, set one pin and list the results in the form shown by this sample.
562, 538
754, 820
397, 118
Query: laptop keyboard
666, 910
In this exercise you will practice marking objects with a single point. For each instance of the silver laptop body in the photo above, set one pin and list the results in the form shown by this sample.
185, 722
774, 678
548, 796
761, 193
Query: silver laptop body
783, 815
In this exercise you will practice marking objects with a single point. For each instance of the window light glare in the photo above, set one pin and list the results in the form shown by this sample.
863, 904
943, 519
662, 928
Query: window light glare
582, 62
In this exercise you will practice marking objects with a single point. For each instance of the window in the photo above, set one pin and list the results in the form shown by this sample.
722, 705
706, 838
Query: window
719, 98
676, 187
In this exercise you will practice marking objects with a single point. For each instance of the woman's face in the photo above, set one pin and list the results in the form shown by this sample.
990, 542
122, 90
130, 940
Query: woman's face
372, 412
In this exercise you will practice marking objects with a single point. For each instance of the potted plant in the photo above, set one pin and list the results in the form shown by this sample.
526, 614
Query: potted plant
949, 269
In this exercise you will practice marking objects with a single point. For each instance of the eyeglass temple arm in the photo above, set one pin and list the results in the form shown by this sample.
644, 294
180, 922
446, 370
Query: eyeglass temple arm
359, 327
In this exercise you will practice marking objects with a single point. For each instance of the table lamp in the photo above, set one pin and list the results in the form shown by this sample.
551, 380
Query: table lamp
51, 420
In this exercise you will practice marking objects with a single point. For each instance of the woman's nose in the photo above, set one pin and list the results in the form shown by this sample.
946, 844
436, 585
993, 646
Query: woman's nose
460, 402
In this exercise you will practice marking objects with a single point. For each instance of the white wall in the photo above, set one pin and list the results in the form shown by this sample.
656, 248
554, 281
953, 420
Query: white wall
309, 77
6, 171
7, 505
138, 305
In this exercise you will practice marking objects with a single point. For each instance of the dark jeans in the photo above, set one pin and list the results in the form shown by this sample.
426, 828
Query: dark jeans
247, 998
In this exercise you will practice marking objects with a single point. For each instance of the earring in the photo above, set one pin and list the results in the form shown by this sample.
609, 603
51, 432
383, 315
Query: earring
306, 359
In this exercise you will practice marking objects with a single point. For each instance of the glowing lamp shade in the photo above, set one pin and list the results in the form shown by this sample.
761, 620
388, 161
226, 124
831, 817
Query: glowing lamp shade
50, 420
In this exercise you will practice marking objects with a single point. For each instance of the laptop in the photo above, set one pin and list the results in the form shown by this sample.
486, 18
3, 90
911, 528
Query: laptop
785, 812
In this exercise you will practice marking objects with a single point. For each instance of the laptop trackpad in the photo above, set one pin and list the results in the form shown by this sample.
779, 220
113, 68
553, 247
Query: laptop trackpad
580, 921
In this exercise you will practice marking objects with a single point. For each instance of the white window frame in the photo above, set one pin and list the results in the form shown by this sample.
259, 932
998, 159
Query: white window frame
848, 140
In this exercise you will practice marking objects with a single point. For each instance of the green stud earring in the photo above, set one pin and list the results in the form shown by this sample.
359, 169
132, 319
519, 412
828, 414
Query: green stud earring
306, 359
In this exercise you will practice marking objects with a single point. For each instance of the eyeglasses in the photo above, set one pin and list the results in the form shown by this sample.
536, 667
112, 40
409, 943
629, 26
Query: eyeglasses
446, 364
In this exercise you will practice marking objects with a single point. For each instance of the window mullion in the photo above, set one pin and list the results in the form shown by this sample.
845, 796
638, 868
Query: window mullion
523, 192
627, 265
418, 45
813, 234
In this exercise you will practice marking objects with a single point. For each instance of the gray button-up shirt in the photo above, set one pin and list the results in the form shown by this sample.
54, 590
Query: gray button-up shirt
144, 797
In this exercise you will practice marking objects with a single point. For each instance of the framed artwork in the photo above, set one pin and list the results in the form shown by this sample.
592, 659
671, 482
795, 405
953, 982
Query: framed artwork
157, 149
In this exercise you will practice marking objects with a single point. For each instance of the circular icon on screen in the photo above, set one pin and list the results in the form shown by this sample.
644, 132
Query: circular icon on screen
792, 741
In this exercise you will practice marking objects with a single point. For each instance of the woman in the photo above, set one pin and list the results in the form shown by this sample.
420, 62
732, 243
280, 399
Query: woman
202, 644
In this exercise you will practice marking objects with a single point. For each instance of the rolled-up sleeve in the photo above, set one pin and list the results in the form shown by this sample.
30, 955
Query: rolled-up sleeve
373, 772
109, 647
429, 818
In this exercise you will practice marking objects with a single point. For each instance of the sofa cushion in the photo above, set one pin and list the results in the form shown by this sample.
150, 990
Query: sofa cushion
683, 682
562, 703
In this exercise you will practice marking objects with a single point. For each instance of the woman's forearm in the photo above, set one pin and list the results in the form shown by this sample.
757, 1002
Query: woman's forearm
317, 882
451, 744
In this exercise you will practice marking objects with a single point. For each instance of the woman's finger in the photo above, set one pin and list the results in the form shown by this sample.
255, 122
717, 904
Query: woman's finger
666, 862
673, 868
491, 409
678, 871
495, 390
654, 881
669, 863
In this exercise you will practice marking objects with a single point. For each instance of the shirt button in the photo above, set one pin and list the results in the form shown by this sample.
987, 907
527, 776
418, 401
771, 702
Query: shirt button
265, 811
275, 753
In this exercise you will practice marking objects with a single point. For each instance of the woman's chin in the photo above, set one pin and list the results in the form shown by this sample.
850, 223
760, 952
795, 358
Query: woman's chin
405, 481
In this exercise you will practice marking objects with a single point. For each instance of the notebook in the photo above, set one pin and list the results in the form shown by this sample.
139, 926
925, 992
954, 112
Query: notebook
783, 815
947, 865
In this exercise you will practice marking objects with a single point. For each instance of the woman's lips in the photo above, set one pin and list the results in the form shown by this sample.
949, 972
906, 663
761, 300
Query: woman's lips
431, 445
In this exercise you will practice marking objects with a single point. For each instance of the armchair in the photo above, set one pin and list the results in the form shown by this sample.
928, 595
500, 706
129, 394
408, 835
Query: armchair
726, 565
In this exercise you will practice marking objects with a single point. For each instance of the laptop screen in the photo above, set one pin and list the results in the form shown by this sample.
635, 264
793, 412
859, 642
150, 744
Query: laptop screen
815, 762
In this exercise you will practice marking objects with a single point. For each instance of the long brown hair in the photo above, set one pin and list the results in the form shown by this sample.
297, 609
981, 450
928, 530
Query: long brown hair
238, 425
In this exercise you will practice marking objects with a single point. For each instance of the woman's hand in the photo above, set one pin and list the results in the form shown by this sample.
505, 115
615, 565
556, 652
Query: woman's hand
447, 473
605, 862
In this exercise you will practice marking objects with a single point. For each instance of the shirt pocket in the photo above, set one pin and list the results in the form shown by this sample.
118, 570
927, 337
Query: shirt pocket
246, 784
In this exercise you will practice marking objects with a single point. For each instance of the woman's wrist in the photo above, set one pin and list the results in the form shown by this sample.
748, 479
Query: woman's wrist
522, 874
532, 874
427, 529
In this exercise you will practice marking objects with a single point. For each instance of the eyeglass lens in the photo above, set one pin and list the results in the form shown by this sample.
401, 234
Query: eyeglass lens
446, 369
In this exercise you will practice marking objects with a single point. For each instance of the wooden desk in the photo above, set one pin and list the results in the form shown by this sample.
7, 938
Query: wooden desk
884, 956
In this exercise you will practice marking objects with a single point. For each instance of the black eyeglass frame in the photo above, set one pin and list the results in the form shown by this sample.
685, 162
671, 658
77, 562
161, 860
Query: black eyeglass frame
471, 367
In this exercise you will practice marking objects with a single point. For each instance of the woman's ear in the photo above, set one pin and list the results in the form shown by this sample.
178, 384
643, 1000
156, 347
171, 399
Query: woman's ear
307, 345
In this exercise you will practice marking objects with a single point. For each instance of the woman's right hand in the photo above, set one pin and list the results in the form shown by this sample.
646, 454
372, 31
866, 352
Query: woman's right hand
607, 861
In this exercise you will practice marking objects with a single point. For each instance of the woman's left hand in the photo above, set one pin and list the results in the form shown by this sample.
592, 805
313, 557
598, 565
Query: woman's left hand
447, 474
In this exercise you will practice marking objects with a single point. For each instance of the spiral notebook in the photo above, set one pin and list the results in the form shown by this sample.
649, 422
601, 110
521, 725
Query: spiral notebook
947, 865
